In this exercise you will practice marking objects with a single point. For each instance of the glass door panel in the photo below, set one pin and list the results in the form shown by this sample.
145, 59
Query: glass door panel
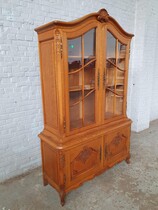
121, 56
120, 77
89, 76
74, 54
109, 104
110, 76
115, 76
76, 109
89, 107
82, 74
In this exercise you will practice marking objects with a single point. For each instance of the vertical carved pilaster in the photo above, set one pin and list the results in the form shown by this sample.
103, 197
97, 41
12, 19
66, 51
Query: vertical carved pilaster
59, 44
62, 160
63, 177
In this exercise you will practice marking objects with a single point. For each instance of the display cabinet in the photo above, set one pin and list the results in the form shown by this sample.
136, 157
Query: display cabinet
84, 72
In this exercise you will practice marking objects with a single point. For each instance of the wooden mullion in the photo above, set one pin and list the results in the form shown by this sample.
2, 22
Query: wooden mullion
82, 54
115, 75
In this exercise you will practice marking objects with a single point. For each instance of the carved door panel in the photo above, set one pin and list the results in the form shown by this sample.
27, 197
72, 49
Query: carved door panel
116, 146
85, 160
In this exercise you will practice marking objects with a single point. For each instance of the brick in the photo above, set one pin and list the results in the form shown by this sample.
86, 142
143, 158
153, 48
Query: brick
20, 95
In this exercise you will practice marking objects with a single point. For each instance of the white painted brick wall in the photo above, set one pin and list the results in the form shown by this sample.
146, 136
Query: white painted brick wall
20, 97
144, 94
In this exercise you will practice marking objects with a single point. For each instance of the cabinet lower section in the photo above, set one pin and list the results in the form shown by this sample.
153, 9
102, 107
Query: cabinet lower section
68, 166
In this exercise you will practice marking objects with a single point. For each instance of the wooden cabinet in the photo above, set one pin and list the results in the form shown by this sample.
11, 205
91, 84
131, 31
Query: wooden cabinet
84, 72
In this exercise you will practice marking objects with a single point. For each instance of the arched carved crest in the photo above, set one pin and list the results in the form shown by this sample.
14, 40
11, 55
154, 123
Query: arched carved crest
103, 16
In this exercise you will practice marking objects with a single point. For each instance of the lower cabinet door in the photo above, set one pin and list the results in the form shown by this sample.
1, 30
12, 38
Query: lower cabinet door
84, 161
116, 146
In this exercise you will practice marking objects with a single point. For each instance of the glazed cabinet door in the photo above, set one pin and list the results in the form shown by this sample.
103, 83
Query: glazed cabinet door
84, 161
116, 146
82, 79
115, 74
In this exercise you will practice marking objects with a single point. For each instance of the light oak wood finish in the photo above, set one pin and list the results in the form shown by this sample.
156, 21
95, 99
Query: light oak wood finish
76, 146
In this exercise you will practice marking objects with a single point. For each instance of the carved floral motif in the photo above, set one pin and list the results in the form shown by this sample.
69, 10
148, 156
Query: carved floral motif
58, 40
85, 154
103, 16
85, 160
117, 139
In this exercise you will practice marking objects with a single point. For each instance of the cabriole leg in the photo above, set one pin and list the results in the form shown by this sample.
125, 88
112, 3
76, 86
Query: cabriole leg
128, 159
62, 198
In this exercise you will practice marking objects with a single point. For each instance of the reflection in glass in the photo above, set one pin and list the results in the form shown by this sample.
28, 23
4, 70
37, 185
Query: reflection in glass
110, 59
75, 81
119, 105
121, 56
110, 75
74, 54
89, 114
89, 45
81, 74
76, 109
115, 75
89, 76
109, 106
110, 50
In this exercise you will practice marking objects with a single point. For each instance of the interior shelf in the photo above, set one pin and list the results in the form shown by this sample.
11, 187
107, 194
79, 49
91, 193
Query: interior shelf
79, 56
79, 123
79, 88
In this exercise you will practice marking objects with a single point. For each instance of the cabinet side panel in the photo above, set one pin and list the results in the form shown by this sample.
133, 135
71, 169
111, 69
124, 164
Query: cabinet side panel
49, 84
49, 161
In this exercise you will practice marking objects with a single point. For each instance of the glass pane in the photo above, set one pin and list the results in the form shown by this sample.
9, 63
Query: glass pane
89, 76
120, 78
110, 59
110, 75
89, 45
110, 50
75, 81
119, 105
119, 90
89, 114
74, 54
121, 56
75, 109
109, 105
81, 75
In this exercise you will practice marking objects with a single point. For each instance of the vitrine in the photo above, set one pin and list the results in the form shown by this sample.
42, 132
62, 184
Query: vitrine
84, 72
